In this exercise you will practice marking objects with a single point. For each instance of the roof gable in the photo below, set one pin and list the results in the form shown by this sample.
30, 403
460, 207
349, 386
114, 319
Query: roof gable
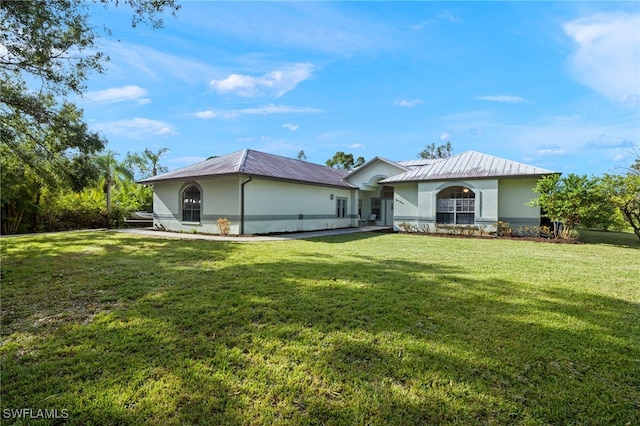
259, 164
467, 165
375, 160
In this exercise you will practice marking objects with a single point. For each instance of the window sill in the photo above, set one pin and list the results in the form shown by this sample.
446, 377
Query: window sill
191, 223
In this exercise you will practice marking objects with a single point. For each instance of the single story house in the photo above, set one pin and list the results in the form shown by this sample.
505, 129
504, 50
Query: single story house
261, 193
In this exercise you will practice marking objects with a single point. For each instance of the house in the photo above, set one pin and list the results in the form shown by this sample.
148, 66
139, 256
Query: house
261, 193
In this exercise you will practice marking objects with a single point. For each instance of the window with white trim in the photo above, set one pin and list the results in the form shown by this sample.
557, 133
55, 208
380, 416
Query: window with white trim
191, 203
456, 206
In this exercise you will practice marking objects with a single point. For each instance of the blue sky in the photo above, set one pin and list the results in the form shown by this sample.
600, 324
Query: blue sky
556, 85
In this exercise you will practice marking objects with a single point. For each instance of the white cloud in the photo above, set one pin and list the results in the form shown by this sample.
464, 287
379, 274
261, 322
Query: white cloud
206, 114
357, 146
261, 110
275, 83
445, 137
607, 57
547, 150
128, 59
119, 94
138, 127
448, 16
290, 126
408, 103
501, 98
310, 26
607, 142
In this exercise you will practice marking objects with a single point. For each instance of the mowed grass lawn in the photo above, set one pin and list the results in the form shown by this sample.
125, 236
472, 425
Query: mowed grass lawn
384, 329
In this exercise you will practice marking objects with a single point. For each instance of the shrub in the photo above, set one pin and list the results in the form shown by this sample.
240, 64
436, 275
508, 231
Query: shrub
223, 226
503, 229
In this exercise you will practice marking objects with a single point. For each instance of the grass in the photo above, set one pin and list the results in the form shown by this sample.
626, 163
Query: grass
354, 329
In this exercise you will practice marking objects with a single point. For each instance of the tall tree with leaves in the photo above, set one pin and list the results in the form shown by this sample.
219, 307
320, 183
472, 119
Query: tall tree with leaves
342, 160
112, 172
49, 49
432, 151
624, 193
147, 163
567, 199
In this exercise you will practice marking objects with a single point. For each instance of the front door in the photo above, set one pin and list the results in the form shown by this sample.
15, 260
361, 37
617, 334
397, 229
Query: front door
388, 212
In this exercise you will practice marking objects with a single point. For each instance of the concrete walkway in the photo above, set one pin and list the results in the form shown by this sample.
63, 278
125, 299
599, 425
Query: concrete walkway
252, 238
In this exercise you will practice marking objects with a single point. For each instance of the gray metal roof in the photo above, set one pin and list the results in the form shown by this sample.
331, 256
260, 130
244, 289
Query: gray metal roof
417, 163
259, 164
468, 165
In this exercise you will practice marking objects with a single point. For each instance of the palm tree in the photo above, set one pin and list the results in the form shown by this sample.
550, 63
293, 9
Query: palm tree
148, 162
111, 171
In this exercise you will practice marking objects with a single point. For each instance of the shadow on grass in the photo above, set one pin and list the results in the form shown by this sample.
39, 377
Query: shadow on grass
317, 337
619, 239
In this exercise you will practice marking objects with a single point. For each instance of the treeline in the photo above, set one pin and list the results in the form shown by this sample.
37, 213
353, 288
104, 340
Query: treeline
55, 171
603, 202
101, 194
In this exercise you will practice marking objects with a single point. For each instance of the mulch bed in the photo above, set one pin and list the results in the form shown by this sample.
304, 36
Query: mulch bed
495, 237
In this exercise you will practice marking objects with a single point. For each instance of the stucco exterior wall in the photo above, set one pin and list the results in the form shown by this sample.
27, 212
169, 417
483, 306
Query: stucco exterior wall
416, 202
406, 204
514, 194
219, 197
273, 206
368, 178
270, 206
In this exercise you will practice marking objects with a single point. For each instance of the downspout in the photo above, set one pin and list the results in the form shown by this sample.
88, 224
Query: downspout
242, 204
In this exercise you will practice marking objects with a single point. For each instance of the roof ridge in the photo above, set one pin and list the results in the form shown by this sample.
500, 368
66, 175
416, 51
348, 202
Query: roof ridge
243, 160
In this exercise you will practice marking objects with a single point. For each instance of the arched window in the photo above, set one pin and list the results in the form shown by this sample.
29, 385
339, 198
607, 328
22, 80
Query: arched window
456, 205
191, 204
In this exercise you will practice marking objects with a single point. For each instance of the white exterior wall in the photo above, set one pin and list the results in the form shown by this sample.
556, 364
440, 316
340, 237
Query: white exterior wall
514, 194
270, 206
405, 204
273, 206
416, 202
220, 199
367, 180
369, 177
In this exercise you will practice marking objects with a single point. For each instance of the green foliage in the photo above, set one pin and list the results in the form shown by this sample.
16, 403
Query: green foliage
568, 200
341, 160
146, 164
503, 229
48, 50
597, 202
624, 193
432, 151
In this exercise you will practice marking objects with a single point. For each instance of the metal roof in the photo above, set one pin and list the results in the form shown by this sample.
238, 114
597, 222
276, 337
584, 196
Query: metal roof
248, 162
468, 165
375, 160
417, 163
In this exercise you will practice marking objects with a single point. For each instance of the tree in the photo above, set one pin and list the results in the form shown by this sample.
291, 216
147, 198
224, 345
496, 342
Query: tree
301, 155
635, 167
432, 151
112, 172
624, 193
341, 160
147, 163
48, 50
566, 200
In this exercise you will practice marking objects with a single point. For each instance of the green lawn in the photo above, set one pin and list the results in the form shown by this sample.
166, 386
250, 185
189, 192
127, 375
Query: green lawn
368, 328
